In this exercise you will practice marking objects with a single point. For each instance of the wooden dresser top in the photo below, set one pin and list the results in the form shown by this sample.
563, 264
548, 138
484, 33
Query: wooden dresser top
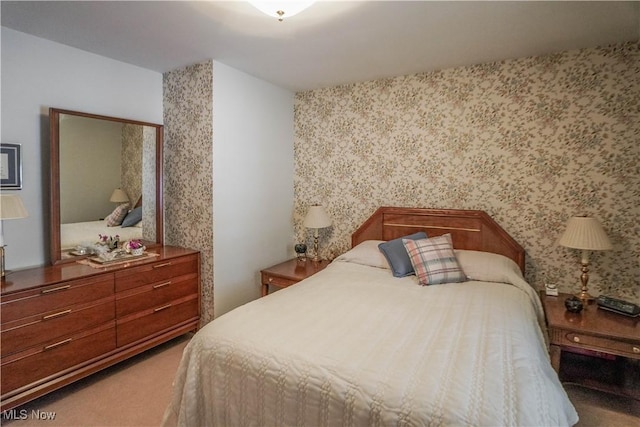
20, 280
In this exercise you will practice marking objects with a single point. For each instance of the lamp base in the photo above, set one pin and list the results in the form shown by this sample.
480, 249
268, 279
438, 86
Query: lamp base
584, 279
585, 296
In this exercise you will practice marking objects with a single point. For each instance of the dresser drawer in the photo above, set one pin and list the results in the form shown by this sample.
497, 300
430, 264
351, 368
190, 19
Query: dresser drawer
156, 272
277, 281
145, 323
155, 295
55, 297
39, 364
36, 330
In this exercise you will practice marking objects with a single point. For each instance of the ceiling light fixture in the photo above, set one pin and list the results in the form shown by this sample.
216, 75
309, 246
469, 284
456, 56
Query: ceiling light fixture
281, 9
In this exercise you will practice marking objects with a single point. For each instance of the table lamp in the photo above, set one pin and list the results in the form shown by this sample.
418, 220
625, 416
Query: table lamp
587, 234
119, 196
11, 207
316, 218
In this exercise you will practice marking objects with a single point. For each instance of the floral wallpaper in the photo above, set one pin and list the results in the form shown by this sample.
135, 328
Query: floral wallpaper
139, 172
131, 160
531, 141
188, 194
148, 190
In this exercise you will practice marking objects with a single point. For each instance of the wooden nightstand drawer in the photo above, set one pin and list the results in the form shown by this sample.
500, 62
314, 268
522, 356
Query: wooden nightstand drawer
598, 343
289, 273
278, 281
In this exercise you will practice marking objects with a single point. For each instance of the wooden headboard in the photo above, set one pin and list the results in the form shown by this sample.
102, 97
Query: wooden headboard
470, 229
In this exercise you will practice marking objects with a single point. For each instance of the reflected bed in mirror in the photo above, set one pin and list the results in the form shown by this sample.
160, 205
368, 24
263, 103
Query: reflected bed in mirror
106, 179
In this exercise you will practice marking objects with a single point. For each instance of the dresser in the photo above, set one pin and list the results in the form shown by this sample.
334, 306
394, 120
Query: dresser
61, 323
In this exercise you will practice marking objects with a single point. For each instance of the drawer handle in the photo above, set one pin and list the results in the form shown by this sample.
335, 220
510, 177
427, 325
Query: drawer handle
164, 307
636, 350
161, 285
576, 339
164, 264
61, 288
58, 344
270, 279
54, 315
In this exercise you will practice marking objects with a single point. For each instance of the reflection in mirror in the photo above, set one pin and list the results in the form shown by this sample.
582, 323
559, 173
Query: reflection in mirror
103, 168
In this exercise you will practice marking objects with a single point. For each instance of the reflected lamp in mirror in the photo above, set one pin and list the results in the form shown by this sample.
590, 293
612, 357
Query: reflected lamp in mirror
119, 196
586, 234
316, 218
11, 207
81, 195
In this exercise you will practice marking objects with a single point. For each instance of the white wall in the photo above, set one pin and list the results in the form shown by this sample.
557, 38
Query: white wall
92, 148
38, 74
252, 181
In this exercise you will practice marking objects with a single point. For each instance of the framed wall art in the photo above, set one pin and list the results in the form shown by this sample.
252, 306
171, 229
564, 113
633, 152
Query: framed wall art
10, 167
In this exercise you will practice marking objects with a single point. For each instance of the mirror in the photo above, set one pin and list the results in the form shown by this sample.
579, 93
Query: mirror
98, 164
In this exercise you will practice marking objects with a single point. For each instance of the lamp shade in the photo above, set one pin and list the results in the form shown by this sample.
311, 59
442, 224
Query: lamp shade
585, 233
119, 196
11, 207
317, 218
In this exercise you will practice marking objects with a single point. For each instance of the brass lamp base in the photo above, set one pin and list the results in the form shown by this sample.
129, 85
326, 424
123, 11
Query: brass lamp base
584, 279
585, 296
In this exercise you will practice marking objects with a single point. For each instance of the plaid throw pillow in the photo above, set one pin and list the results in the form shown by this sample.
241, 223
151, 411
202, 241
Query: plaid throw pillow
115, 218
434, 260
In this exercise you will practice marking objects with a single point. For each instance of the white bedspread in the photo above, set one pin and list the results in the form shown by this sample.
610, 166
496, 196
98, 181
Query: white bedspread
83, 233
353, 346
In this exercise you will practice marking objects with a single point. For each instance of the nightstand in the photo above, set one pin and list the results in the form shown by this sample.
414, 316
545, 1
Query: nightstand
289, 273
591, 330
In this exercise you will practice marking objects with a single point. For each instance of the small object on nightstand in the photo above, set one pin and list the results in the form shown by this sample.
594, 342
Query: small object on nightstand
551, 289
573, 304
618, 306
301, 251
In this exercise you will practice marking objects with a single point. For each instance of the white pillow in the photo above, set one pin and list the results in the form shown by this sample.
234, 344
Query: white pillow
365, 253
487, 266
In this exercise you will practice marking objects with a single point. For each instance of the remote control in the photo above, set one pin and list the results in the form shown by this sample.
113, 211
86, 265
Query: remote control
618, 306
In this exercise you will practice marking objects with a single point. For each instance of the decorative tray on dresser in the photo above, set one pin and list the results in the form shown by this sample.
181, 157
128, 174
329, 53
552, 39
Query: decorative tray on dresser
64, 322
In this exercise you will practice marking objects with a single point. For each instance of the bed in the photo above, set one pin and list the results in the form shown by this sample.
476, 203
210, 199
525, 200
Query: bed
86, 233
353, 345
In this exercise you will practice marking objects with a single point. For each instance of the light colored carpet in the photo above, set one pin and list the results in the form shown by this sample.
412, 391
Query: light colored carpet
136, 393
132, 393
603, 409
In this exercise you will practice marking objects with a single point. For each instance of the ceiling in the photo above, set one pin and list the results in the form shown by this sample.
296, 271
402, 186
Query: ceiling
332, 42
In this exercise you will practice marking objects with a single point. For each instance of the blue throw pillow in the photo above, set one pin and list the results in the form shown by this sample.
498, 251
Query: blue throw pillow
397, 256
133, 217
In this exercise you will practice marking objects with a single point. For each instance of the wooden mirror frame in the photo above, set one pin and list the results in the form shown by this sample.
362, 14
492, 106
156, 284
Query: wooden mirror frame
54, 133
